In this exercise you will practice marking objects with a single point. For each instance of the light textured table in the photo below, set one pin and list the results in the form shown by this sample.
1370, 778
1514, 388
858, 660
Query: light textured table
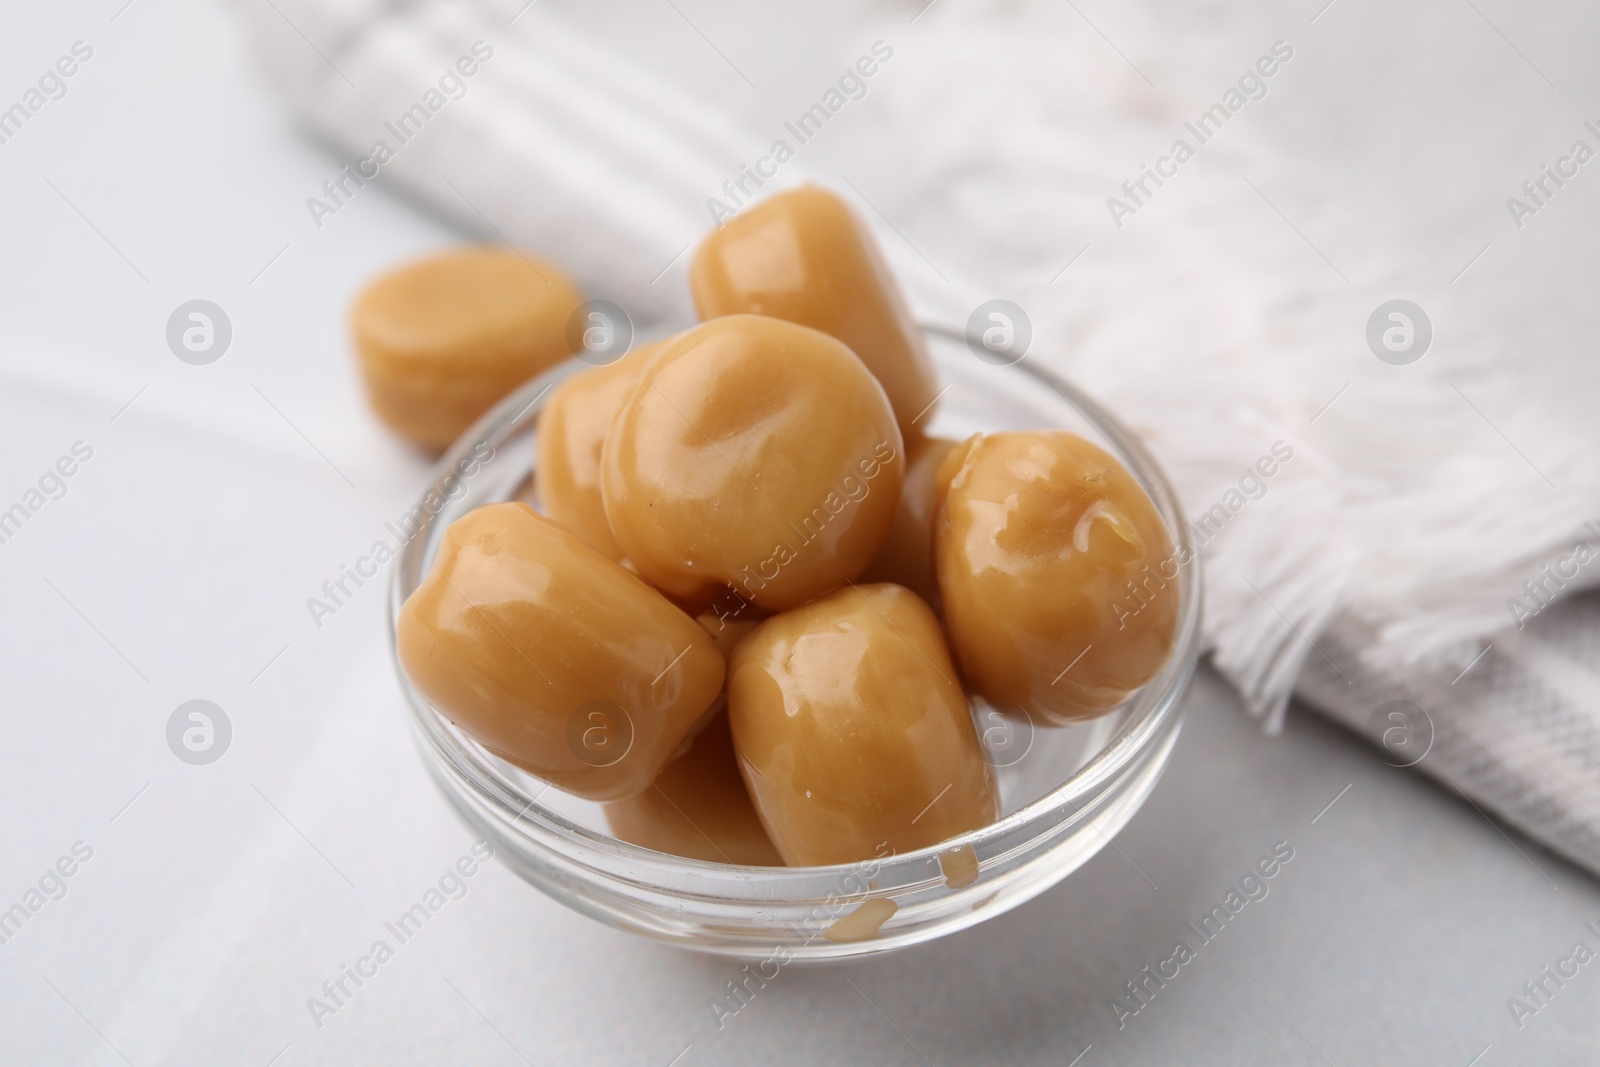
217, 899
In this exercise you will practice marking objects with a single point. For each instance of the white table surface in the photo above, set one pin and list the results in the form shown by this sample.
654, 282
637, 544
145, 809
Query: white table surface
219, 898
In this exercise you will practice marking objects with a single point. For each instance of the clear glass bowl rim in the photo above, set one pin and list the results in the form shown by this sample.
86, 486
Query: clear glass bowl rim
1153, 716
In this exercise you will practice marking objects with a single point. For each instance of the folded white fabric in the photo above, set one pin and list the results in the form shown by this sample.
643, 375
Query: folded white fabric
1218, 296
1518, 734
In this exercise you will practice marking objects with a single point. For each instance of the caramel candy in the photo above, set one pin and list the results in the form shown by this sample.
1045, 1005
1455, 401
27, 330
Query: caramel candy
555, 658
572, 429
726, 632
852, 730
441, 340
804, 256
754, 453
1057, 573
698, 808
907, 556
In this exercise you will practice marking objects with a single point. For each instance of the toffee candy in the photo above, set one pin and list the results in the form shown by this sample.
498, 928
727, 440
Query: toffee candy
754, 453
554, 657
804, 256
1050, 560
852, 730
572, 430
441, 340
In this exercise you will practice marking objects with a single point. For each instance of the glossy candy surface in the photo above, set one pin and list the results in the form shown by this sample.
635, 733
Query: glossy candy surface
907, 556
1057, 574
698, 808
572, 429
753, 453
442, 339
806, 257
554, 657
853, 733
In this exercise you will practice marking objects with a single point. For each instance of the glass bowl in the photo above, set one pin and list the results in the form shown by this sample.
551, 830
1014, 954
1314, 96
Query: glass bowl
1065, 792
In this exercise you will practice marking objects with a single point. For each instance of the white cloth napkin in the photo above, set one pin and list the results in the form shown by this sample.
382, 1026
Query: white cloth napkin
1223, 312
